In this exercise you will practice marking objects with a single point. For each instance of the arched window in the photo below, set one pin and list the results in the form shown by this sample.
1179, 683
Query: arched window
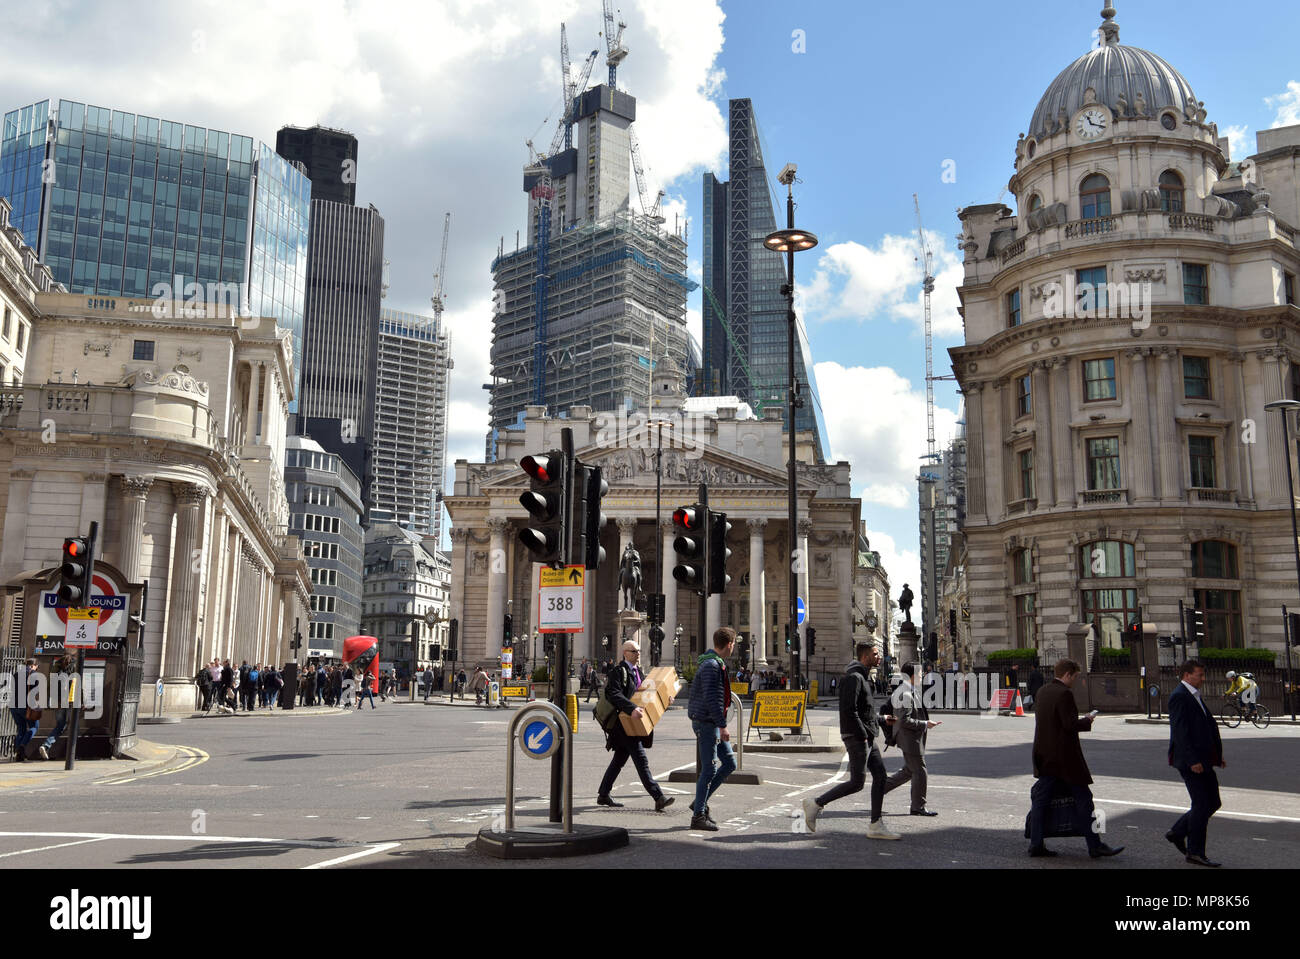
1035, 203
1171, 192
1094, 197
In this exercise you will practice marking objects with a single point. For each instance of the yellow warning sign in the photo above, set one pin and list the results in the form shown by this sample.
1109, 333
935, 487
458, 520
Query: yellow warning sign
564, 576
514, 692
740, 689
778, 709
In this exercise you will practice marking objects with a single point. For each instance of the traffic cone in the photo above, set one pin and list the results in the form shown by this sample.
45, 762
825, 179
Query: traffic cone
1020, 706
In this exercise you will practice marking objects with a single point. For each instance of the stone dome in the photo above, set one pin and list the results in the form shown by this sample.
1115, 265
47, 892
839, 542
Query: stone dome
1146, 82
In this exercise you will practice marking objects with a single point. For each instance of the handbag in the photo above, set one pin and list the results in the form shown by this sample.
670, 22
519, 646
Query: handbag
33, 715
1058, 820
605, 712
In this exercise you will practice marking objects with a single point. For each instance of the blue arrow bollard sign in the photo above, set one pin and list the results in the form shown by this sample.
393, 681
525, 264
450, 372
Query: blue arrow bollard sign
802, 609
539, 738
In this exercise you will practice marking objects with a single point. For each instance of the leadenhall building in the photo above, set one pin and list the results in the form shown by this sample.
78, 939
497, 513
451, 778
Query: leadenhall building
1124, 331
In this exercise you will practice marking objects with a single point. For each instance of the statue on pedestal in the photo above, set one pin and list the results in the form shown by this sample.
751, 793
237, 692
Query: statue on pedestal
905, 602
629, 576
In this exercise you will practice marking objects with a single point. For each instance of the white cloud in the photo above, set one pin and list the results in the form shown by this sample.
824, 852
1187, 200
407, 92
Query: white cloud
1238, 148
695, 324
901, 565
852, 281
1287, 105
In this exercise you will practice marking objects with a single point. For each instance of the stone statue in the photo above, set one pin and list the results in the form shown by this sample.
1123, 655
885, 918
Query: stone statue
905, 602
629, 576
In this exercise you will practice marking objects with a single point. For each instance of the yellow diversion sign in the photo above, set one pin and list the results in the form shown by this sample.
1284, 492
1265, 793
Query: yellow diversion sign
778, 709
514, 692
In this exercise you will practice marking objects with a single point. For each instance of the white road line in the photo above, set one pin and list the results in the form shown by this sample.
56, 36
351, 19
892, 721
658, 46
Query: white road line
264, 840
844, 765
1126, 802
382, 847
23, 852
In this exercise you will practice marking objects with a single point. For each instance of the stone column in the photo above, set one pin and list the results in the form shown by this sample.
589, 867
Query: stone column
182, 587
995, 452
805, 530
268, 396
1235, 389
1044, 488
1273, 387
1171, 487
250, 406
666, 535
135, 494
976, 479
1062, 475
496, 611
758, 635
1140, 452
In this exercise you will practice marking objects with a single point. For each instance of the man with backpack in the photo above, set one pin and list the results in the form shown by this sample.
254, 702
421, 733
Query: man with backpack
859, 728
623, 682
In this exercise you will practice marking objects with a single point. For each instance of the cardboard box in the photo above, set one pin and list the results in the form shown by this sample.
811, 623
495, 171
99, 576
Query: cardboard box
659, 691
636, 727
650, 701
665, 679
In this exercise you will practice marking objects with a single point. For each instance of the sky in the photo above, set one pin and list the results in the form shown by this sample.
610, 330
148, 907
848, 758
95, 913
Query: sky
874, 102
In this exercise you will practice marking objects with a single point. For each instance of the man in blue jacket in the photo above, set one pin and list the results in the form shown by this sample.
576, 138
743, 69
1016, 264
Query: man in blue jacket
710, 700
1194, 750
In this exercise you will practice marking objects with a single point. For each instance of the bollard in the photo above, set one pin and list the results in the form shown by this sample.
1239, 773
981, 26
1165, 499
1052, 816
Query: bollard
571, 707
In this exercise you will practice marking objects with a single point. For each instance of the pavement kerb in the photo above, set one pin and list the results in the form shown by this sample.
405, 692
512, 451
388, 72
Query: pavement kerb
142, 757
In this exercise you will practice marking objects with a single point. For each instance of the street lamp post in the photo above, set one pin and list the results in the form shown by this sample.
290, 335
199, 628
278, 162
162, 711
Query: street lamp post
790, 241
1284, 407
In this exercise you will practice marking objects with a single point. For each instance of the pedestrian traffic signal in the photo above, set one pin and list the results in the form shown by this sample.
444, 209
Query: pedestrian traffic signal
811, 632
787, 637
76, 572
1195, 626
718, 552
1294, 619
656, 643
547, 501
507, 629
690, 545
592, 488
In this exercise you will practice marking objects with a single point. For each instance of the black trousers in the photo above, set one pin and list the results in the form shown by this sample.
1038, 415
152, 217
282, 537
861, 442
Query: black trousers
623, 748
1192, 825
861, 759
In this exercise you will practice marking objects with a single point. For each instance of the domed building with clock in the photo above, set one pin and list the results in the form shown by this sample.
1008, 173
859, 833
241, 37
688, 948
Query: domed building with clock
1124, 330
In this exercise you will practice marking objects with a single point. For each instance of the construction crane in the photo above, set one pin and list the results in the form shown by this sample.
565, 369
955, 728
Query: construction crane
655, 213
615, 51
927, 267
571, 91
442, 272
639, 169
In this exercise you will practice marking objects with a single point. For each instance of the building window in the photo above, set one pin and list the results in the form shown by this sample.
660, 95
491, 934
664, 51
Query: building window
1013, 308
8, 327
1109, 611
1027, 474
1196, 290
1200, 450
1024, 396
1026, 606
1035, 203
1171, 192
1288, 288
1222, 608
1106, 558
1090, 290
1099, 380
1103, 463
22, 333
1214, 559
1196, 377
143, 350
1022, 567
1094, 197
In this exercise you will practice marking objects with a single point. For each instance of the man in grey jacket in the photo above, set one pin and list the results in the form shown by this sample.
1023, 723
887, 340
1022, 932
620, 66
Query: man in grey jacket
913, 725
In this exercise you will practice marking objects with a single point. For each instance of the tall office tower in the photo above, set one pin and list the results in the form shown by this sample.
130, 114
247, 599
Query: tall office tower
345, 275
117, 204
410, 451
941, 491
745, 327
328, 156
599, 290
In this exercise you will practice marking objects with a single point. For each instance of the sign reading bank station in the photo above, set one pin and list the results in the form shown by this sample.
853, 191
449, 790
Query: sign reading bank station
107, 595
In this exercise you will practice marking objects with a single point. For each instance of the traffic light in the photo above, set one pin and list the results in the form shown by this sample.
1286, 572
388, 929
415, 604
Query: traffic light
435, 651
656, 644
1133, 632
787, 637
690, 545
76, 572
952, 622
453, 631
1195, 626
811, 632
547, 501
592, 488
507, 629
1294, 619
718, 552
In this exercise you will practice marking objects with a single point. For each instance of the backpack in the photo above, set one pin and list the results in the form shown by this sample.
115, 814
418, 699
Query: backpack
604, 712
253, 674
890, 730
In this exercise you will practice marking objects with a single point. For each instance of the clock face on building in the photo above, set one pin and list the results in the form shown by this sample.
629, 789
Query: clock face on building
1091, 123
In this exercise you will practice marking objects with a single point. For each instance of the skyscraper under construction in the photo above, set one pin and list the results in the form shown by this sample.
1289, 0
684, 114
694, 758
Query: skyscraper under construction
599, 294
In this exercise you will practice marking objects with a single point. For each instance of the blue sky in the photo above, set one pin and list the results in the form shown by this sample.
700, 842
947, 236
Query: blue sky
442, 95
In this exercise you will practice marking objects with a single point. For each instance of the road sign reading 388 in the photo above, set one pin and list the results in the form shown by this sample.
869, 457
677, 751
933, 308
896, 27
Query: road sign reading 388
560, 598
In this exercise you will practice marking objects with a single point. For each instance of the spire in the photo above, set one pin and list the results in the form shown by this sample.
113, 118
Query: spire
1109, 28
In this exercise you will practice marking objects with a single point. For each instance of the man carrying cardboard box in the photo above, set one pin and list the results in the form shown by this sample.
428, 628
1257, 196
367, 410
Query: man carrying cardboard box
620, 691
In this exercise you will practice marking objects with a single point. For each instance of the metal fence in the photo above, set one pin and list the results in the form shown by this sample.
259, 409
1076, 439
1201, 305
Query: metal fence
124, 735
1272, 682
11, 661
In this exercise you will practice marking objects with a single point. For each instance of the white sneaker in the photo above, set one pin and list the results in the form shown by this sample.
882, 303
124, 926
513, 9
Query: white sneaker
878, 830
45, 753
810, 811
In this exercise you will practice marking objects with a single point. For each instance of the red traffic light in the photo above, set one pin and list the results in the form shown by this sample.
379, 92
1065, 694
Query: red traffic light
75, 549
544, 468
688, 517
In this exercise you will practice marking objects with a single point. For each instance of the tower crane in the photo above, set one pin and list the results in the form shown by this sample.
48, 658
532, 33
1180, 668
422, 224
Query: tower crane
639, 169
927, 267
615, 51
442, 272
571, 90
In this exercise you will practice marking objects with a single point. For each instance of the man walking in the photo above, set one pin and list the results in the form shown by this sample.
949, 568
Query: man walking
1058, 758
913, 724
1194, 750
427, 680
859, 727
623, 682
710, 700
24, 702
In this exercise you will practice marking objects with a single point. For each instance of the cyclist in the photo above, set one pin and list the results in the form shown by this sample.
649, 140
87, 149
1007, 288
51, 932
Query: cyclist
1244, 688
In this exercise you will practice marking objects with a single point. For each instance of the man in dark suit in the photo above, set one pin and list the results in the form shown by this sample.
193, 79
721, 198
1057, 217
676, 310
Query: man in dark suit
1194, 750
912, 726
623, 682
1058, 758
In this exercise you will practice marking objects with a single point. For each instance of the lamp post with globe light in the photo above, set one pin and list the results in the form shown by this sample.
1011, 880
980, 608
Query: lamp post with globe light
791, 241
1284, 407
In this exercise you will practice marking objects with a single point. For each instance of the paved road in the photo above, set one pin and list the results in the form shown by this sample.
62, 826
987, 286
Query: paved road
411, 785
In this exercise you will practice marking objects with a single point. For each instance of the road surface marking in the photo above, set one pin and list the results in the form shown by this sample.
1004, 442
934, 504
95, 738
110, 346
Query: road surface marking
23, 852
1142, 805
263, 840
844, 765
190, 755
382, 847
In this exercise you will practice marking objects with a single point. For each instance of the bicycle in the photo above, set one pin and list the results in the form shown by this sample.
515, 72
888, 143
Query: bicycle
1232, 714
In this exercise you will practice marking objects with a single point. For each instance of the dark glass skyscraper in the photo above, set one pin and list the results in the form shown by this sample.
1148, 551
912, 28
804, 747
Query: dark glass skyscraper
118, 204
325, 154
745, 333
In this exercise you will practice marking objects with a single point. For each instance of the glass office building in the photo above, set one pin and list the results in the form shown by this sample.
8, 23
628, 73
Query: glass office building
745, 328
117, 203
